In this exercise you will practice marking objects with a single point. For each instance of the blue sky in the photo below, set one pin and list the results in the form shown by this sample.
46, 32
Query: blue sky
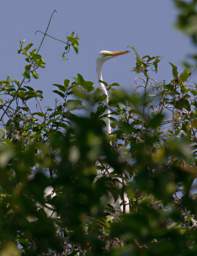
113, 24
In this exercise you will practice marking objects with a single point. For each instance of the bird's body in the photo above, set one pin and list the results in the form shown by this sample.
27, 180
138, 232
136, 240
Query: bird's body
123, 203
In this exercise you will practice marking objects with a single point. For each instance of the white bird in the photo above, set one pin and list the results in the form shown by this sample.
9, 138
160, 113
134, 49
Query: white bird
101, 59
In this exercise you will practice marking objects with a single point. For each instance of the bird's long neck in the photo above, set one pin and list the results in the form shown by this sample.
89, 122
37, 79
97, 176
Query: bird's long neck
104, 89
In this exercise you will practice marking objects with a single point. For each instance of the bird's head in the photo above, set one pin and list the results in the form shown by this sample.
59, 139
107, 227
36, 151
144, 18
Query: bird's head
107, 55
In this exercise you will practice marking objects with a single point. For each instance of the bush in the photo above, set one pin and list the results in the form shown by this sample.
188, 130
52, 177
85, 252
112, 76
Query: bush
68, 188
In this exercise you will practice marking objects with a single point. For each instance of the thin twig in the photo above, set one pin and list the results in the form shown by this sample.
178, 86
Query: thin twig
52, 37
46, 30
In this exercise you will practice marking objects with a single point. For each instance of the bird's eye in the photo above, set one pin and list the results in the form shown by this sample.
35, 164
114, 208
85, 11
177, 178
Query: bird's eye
105, 55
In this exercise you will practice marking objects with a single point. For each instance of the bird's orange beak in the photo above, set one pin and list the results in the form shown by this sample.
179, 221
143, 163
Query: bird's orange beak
115, 53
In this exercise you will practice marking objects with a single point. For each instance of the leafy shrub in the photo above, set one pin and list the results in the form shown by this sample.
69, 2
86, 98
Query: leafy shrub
68, 188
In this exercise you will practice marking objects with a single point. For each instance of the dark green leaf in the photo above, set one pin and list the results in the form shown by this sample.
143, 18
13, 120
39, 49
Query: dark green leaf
174, 71
61, 94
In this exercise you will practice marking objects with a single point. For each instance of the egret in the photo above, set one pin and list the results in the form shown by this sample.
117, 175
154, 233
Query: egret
101, 59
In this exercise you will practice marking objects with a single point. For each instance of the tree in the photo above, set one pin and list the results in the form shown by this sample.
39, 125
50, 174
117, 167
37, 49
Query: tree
61, 175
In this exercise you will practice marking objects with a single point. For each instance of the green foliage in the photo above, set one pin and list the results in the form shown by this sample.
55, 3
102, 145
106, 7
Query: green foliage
68, 188
33, 59
186, 20
72, 42
187, 23
146, 63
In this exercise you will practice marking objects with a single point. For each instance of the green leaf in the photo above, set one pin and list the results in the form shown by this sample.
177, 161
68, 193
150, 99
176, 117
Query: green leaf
24, 50
27, 71
79, 92
174, 71
74, 104
66, 83
194, 92
79, 79
113, 85
61, 94
1, 101
155, 120
87, 85
156, 63
60, 87
184, 75
194, 123
37, 59
101, 110
73, 40
39, 114
27, 47
183, 103
35, 74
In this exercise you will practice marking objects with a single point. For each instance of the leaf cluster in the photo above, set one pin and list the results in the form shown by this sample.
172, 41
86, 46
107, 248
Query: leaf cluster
68, 188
